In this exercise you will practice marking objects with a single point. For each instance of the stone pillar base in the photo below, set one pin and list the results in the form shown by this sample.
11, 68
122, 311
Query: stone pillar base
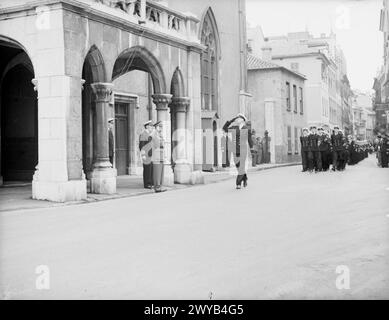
168, 176
182, 173
197, 177
103, 181
66, 191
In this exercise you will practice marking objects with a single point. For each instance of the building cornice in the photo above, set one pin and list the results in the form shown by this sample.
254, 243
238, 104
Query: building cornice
115, 20
318, 55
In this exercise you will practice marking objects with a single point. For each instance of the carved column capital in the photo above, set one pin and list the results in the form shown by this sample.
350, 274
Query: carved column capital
180, 104
162, 101
102, 91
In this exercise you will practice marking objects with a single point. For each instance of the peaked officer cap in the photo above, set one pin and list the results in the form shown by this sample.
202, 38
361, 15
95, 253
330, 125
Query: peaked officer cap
241, 115
148, 123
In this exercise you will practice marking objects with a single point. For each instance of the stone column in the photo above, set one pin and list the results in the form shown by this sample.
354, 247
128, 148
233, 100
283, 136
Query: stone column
182, 169
103, 176
162, 102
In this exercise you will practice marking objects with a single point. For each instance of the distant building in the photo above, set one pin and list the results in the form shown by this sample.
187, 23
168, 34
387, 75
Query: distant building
278, 106
381, 81
323, 64
364, 118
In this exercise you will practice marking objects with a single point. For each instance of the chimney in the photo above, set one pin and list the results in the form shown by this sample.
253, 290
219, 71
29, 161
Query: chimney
267, 53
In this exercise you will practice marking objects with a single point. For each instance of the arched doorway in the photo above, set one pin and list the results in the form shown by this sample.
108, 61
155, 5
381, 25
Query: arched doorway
137, 75
19, 114
93, 71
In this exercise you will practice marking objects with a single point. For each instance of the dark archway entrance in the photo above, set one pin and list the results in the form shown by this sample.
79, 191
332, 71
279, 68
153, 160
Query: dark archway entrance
93, 71
19, 114
136, 75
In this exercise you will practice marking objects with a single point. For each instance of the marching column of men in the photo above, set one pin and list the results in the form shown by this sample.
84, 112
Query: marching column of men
319, 150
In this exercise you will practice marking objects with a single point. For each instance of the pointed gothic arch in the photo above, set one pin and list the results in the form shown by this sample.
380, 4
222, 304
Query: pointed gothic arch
177, 87
210, 57
95, 62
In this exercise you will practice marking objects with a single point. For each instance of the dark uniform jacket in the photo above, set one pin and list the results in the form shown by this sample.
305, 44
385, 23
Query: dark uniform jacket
338, 142
324, 142
314, 141
305, 144
239, 139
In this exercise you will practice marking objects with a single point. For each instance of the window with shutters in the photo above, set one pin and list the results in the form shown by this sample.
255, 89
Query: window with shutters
295, 98
289, 140
301, 101
288, 96
296, 140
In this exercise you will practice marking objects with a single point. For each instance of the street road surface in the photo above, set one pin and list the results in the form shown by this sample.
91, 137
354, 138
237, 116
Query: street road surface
282, 238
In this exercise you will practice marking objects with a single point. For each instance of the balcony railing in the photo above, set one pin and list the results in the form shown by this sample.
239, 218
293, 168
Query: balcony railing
158, 17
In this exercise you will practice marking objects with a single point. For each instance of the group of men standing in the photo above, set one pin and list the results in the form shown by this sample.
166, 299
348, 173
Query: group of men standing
320, 150
151, 146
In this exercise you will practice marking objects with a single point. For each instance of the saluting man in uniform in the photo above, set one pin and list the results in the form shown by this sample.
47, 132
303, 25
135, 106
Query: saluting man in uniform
146, 152
241, 144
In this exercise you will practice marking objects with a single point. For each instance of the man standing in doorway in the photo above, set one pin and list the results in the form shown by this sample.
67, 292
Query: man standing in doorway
146, 153
111, 141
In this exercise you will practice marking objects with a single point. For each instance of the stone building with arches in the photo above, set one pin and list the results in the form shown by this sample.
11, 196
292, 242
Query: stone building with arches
70, 65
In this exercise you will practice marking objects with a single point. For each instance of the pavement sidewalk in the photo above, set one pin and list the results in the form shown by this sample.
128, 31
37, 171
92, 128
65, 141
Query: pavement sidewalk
15, 197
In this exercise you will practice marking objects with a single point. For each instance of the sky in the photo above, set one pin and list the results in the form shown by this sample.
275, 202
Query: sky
355, 23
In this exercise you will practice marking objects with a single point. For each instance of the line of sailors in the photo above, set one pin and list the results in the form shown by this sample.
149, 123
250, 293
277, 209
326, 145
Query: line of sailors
320, 150
382, 149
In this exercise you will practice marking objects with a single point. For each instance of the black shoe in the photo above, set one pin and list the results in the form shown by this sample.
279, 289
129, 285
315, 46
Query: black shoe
245, 183
238, 187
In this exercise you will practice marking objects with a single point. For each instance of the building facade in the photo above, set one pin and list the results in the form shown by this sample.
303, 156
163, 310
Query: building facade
381, 84
278, 106
323, 64
364, 118
68, 66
